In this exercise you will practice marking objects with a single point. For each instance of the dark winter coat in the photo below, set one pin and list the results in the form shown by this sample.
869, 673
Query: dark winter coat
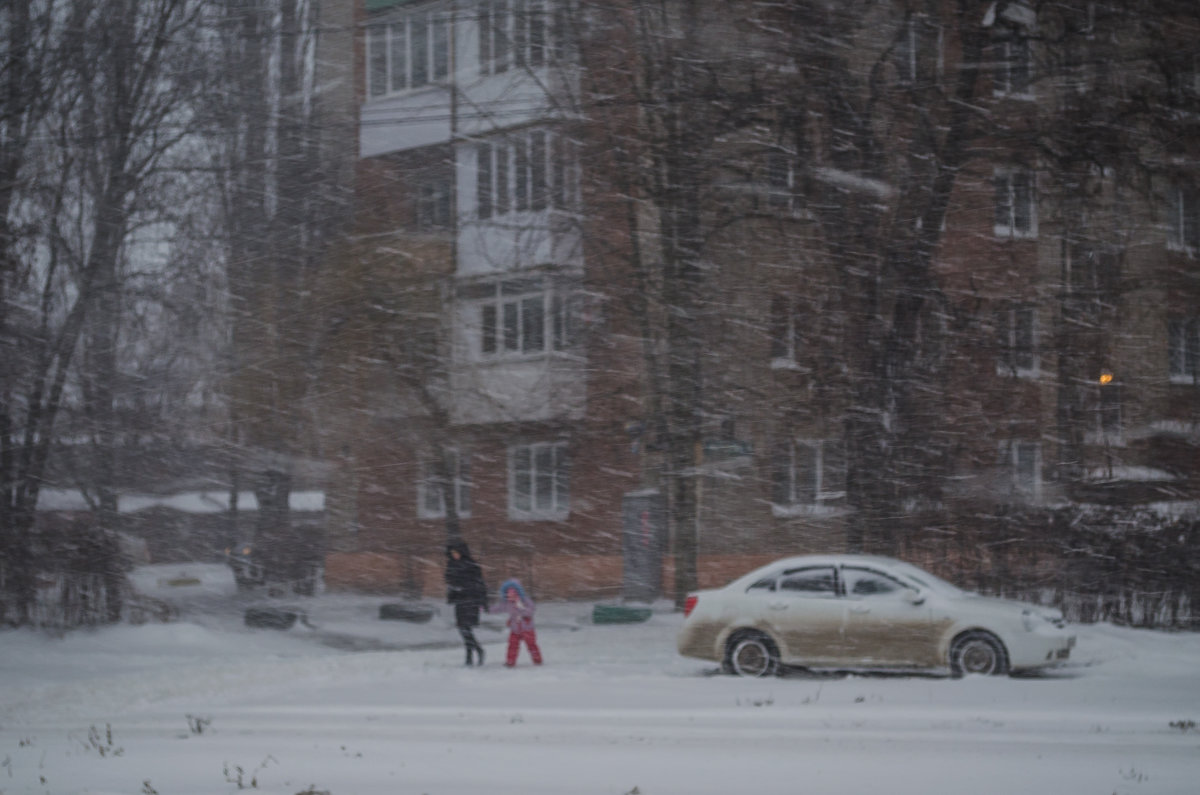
465, 588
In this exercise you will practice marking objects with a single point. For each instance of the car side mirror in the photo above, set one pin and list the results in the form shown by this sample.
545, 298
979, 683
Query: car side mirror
914, 597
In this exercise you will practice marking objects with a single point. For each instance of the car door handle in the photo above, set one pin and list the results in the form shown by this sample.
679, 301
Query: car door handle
778, 606
860, 610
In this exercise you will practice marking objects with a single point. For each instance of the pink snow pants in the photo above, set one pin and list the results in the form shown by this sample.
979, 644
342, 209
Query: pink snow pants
514, 646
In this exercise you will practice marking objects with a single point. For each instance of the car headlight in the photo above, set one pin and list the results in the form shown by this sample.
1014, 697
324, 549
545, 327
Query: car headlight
1031, 619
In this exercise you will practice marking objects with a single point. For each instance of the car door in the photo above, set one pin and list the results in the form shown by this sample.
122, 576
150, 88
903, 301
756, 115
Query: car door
887, 623
805, 613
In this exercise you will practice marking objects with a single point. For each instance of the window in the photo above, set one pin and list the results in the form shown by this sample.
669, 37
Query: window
809, 476
527, 172
816, 581
1183, 218
1017, 327
434, 202
1183, 349
918, 51
525, 317
865, 582
765, 584
1093, 271
407, 53
1016, 206
539, 480
1012, 74
516, 33
431, 500
785, 331
1024, 461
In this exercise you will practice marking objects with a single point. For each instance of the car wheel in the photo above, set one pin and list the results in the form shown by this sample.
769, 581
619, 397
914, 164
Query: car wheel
752, 654
977, 653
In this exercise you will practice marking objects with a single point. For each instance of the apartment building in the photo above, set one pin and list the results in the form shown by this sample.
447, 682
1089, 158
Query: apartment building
516, 398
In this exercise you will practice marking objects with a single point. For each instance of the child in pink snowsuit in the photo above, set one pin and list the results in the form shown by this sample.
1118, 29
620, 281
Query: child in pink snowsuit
520, 622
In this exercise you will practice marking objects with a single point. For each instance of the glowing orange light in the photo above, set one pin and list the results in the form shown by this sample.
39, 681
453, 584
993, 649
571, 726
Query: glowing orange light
1106, 378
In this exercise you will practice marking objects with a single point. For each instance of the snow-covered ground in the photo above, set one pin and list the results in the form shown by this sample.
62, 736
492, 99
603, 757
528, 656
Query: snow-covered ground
350, 704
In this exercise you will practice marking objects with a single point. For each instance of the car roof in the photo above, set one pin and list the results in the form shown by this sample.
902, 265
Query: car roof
836, 559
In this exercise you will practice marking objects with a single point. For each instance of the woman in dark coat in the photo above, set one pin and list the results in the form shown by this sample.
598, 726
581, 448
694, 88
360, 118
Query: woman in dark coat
465, 590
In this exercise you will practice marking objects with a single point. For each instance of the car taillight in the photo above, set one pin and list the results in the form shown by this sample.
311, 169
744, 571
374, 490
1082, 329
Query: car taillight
689, 605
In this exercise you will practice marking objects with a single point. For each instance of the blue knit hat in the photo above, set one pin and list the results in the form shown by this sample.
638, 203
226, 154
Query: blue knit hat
516, 585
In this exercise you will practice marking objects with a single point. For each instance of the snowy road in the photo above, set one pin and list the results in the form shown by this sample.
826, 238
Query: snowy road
613, 710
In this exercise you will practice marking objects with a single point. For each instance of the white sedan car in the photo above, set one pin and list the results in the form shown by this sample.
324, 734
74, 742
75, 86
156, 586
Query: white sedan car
857, 612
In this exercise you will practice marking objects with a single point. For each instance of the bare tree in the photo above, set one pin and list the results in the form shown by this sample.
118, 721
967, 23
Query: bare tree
112, 90
282, 160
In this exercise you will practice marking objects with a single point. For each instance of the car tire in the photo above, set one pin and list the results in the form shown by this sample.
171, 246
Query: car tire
979, 653
751, 654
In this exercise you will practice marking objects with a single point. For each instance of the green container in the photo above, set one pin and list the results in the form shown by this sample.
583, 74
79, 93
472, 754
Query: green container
619, 614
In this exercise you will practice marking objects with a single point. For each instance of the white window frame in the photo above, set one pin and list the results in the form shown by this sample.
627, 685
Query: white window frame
1013, 348
397, 40
435, 204
527, 172
1183, 349
560, 308
824, 491
427, 489
1007, 52
1183, 219
913, 36
1009, 198
516, 34
1031, 487
549, 488
784, 330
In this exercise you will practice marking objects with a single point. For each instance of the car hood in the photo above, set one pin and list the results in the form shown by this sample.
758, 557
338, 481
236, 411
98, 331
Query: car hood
1005, 606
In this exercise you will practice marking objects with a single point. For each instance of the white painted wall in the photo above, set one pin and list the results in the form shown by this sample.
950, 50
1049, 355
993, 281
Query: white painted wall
398, 122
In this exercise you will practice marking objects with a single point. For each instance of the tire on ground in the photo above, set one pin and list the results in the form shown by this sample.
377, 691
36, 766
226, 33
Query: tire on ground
977, 652
751, 653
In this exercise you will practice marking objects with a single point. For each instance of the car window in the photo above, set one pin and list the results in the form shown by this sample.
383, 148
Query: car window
816, 581
867, 582
765, 584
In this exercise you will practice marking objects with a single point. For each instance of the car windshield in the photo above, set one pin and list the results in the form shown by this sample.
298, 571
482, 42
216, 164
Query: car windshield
927, 580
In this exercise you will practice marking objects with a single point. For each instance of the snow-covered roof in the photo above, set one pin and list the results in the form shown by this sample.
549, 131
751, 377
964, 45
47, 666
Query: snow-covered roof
191, 502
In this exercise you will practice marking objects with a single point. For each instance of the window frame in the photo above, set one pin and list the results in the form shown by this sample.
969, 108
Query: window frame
1006, 52
531, 171
516, 34
1183, 218
558, 478
826, 478
435, 204
915, 31
844, 582
396, 29
832, 593
1030, 488
1183, 349
785, 335
778, 184
426, 487
506, 308
1010, 197
1013, 348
